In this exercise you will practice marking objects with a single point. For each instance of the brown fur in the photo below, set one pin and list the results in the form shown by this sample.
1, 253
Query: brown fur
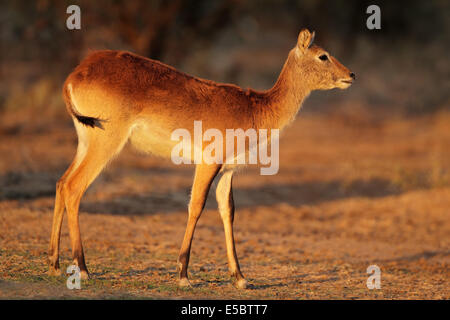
136, 98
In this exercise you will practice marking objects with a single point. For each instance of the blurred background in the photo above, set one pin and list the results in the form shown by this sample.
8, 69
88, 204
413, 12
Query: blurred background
404, 66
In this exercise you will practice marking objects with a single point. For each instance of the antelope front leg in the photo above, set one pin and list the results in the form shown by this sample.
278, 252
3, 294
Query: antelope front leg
204, 175
224, 196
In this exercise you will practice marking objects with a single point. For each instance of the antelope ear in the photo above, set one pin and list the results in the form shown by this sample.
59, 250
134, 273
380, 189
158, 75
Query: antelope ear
305, 39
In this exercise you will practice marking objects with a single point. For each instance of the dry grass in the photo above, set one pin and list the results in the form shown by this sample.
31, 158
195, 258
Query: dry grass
353, 190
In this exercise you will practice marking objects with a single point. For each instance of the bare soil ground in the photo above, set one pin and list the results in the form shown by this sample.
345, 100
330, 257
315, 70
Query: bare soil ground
353, 190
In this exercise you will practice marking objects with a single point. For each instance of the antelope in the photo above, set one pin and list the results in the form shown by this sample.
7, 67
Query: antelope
116, 96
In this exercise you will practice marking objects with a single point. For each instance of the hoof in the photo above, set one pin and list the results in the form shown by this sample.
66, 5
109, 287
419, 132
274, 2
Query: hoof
84, 275
52, 271
184, 283
241, 284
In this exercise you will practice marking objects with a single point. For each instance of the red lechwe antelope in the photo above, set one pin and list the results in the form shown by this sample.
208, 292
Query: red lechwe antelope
114, 96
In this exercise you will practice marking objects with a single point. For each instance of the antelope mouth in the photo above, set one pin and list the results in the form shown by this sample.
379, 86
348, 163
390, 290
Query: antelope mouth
344, 83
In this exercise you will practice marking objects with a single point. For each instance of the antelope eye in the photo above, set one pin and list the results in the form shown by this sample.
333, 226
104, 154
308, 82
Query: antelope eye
323, 57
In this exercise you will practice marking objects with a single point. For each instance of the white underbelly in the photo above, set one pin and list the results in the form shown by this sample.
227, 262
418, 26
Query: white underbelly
152, 139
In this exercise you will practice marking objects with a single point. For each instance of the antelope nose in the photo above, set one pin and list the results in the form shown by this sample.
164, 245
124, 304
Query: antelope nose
353, 76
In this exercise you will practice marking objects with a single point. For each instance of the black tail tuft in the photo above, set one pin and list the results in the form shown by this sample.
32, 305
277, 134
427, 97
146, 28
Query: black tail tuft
87, 121
90, 121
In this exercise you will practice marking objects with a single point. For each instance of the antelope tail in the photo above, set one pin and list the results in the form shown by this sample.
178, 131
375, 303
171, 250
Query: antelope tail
87, 121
